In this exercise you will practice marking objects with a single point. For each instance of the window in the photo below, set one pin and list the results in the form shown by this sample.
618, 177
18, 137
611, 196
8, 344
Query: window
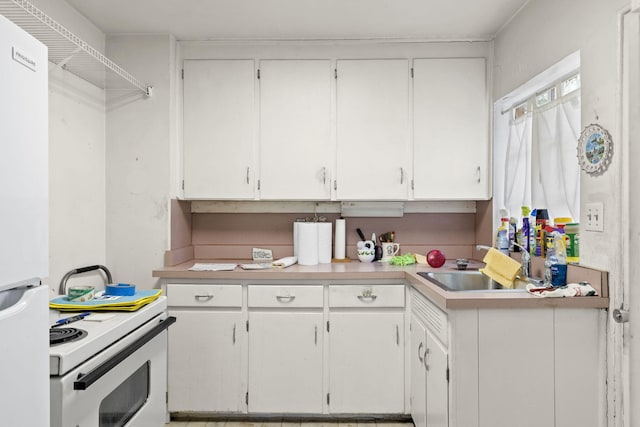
535, 142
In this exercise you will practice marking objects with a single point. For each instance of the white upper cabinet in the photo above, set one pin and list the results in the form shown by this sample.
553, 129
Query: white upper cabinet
368, 133
451, 129
219, 129
372, 129
296, 150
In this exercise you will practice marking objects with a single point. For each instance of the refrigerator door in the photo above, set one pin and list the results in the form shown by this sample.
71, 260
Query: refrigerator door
24, 219
24, 361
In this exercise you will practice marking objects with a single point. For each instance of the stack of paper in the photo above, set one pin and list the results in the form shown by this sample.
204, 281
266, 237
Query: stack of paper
107, 302
198, 266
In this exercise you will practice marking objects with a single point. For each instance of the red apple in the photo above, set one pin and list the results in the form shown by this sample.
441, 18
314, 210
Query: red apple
435, 258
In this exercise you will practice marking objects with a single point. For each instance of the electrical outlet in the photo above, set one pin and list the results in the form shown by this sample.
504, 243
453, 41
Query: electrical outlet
594, 217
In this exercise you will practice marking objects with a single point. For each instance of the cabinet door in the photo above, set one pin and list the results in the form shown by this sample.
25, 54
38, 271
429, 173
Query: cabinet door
372, 129
418, 373
450, 129
205, 361
296, 154
219, 129
506, 384
366, 362
285, 362
435, 359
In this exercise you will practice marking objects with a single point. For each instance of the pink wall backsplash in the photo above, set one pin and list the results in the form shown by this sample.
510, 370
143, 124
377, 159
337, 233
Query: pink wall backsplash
231, 236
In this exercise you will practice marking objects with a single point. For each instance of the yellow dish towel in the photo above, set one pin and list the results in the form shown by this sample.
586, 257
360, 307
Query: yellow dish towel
500, 267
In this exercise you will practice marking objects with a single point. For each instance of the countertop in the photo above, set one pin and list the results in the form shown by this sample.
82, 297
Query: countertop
357, 270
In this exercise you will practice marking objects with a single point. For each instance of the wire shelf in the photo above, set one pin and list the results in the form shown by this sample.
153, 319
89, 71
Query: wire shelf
69, 51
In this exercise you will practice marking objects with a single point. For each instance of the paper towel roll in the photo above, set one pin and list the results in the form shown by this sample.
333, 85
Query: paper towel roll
324, 242
308, 243
340, 239
295, 238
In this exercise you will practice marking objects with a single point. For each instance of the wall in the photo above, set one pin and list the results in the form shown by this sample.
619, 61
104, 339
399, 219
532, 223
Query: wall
139, 135
76, 177
76, 161
544, 32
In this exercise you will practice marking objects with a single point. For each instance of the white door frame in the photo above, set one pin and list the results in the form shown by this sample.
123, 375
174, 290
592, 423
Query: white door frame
628, 375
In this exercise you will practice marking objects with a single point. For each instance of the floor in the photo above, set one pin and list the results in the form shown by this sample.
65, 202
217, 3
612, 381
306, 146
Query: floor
286, 424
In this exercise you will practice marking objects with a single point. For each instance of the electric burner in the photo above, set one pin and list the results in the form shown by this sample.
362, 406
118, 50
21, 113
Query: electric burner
62, 335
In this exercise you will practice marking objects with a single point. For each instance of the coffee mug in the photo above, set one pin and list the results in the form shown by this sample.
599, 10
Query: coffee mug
389, 249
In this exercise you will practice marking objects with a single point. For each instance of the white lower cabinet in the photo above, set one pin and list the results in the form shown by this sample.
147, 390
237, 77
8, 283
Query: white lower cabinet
429, 366
418, 373
339, 349
506, 367
366, 349
205, 351
285, 349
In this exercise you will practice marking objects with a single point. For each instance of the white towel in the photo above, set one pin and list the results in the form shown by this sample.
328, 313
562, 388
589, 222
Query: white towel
285, 262
582, 289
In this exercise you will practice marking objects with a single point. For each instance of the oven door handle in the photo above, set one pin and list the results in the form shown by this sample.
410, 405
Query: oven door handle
85, 380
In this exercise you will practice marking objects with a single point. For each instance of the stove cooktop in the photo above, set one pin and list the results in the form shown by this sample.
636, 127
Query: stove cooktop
59, 336
102, 330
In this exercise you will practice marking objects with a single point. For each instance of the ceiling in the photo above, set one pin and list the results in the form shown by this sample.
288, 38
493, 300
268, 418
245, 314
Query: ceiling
303, 19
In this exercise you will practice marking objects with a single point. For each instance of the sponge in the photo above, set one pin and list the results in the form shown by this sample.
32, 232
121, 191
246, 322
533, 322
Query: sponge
500, 267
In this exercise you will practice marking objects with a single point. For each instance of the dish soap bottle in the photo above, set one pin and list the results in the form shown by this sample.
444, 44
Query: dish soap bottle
502, 237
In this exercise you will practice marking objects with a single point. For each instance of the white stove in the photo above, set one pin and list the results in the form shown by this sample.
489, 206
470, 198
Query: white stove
116, 373
103, 329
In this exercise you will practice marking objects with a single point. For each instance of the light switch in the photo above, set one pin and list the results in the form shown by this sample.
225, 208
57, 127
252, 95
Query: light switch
594, 217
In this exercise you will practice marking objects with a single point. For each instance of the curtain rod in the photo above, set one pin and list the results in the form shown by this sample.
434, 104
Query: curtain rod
538, 92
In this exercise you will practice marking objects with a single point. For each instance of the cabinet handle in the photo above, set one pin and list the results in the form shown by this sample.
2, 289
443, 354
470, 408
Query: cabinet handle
401, 175
206, 297
397, 335
367, 298
285, 298
426, 365
248, 169
478, 174
234, 334
316, 335
420, 358
324, 175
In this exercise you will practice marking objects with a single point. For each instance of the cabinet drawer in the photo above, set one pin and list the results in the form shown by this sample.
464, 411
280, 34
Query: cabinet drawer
204, 295
366, 296
286, 296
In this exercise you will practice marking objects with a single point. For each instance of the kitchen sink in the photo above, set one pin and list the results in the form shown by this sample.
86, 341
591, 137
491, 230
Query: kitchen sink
468, 281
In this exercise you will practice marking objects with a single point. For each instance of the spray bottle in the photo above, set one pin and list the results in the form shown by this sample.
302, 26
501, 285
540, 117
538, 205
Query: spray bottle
557, 260
525, 231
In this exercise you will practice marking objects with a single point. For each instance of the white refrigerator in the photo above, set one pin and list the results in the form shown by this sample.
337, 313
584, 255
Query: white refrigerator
24, 241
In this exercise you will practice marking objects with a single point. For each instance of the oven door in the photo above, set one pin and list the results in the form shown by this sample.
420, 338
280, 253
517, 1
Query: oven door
125, 385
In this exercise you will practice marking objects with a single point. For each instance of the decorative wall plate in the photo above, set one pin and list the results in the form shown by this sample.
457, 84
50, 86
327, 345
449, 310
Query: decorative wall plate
595, 149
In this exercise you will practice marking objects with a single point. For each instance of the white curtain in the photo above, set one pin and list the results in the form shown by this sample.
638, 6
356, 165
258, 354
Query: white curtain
540, 166
555, 136
517, 165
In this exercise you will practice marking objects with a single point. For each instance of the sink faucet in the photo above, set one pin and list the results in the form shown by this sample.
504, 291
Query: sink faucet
525, 260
